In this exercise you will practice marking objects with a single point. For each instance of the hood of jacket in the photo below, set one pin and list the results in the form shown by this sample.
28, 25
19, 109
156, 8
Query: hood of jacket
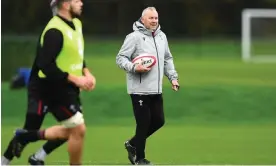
139, 26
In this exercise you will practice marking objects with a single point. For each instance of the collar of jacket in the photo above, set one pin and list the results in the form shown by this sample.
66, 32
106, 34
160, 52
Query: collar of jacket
139, 26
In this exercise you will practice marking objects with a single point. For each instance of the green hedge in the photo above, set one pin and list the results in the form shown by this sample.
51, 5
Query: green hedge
20, 51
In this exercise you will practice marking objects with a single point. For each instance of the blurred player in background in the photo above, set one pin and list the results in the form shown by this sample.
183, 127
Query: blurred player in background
58, 73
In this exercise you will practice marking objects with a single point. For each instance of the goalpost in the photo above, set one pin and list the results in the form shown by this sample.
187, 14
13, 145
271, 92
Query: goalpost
259, 35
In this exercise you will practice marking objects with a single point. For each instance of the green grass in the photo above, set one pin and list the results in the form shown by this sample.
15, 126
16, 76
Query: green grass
224, 112
264, 46
193, 104
181, 144
203, 71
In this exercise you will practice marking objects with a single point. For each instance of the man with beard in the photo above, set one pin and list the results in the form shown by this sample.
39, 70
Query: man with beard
58, 73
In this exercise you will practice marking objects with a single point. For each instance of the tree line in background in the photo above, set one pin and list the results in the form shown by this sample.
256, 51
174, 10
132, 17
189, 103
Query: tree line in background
185, 18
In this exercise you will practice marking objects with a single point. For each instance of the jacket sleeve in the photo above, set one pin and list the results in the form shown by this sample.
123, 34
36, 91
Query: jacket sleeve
123, 58
169, 68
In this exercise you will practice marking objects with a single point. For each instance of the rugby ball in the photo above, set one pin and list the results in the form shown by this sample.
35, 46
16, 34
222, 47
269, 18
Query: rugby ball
146, 60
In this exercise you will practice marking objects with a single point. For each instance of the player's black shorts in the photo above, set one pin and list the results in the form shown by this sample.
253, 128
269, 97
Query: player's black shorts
61, 110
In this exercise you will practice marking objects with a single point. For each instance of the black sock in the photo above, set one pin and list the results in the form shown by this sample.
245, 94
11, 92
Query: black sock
8, 153
32, 136
50, 146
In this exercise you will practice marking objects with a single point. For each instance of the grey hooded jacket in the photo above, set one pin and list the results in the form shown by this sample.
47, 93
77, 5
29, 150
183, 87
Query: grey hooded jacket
142, 40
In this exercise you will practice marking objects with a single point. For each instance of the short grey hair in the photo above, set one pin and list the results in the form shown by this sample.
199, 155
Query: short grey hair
146, 9
55, 5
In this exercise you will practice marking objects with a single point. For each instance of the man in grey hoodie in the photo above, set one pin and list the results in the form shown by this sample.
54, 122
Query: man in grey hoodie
145, 84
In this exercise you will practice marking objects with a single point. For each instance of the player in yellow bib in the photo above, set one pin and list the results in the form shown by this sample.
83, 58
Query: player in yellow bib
58, 73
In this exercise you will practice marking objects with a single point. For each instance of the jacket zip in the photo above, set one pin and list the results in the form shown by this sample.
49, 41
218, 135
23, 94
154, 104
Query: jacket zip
140, 77
157, 60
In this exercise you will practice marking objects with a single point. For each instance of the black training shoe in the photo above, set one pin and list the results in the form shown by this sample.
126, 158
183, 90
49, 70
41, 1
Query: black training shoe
143, 162
131, 152
17, 145
34, 161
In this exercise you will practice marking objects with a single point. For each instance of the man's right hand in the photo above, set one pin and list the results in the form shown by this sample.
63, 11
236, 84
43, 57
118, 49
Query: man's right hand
80, 81
92, 81
141, 69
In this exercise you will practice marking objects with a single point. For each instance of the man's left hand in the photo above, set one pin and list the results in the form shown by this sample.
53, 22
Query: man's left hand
175, 85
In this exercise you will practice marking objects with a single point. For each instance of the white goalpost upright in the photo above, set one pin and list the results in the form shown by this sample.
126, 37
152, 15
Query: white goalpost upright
264, 24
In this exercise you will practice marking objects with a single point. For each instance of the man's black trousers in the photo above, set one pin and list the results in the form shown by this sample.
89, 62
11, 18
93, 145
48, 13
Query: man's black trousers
149, 116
